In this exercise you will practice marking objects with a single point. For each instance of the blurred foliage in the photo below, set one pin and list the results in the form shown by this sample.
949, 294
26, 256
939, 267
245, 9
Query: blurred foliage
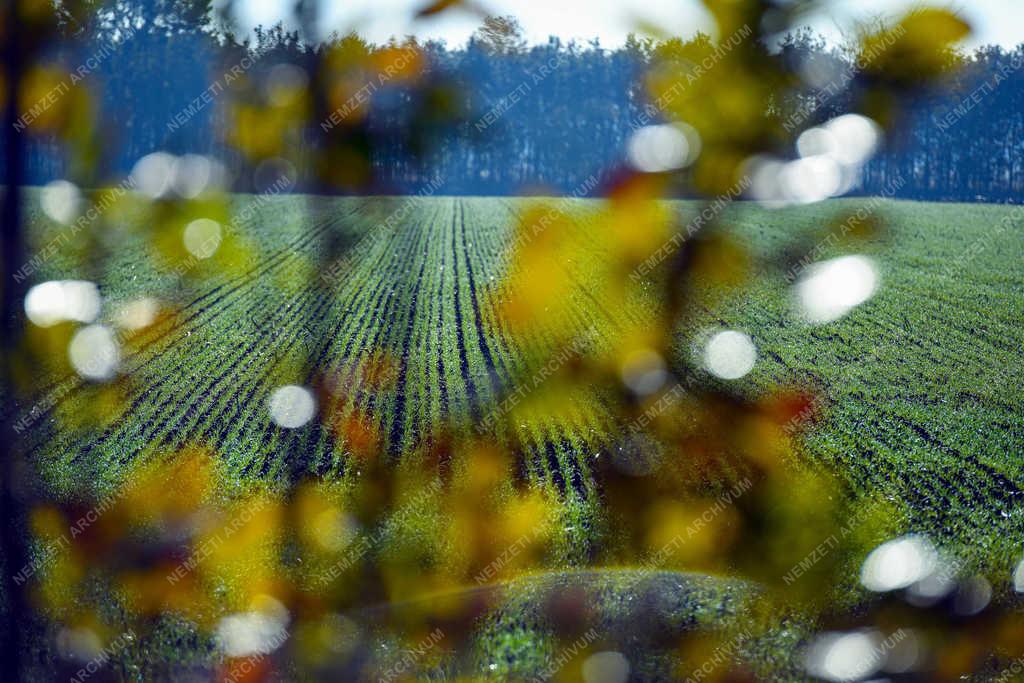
418, 547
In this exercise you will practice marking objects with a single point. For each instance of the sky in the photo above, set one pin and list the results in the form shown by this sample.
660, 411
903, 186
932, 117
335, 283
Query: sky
994, 21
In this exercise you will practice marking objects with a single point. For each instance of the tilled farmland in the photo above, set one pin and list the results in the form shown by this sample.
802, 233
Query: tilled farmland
394, 313
398, 325
403, 337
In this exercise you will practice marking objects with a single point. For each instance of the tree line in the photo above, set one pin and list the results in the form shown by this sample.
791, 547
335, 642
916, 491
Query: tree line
500, 117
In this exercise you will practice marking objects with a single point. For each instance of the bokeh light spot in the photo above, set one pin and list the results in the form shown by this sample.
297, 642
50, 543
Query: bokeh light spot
137, 314
195, 174
94, 352
729, 354
55, 301
606, 667
898, 563
856, 138
292, 406
202, 237
643, 371
830, 289
61, 200
837, 656
258, 632
154, 173
664, 147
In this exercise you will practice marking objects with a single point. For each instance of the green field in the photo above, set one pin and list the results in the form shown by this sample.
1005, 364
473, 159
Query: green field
922, 399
